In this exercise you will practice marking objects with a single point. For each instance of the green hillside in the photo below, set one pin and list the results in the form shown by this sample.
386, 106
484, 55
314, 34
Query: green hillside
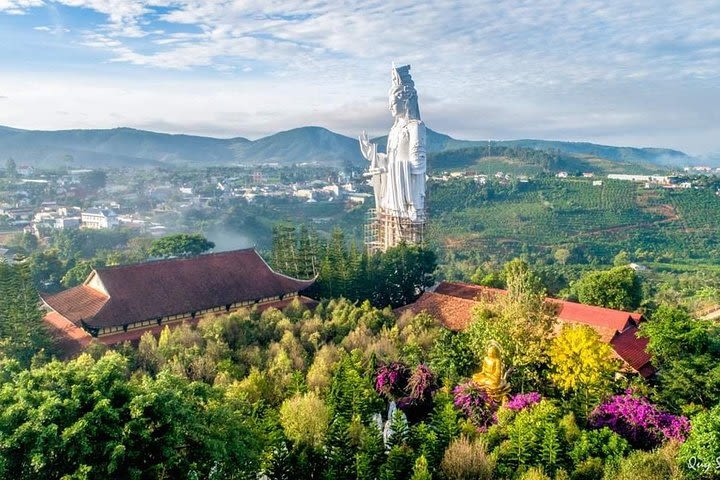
126, 147
493, 158
593, 222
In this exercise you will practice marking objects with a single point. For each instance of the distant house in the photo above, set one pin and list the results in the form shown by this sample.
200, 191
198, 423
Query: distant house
99, 218
561, 174
453, 303
658, 179
68, 223
25, 170
117, 304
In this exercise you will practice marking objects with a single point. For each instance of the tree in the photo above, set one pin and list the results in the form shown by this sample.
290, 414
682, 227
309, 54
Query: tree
305, 420
11, 168
687, 354
46, 269
22, 332
404, 273
77, 274
180, 245
87, 418
562, 255
618, 288
700, 454
420, 470
582, 364
521, 321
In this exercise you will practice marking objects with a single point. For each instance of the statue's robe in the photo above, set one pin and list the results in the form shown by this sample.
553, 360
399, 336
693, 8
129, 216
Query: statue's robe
404, 189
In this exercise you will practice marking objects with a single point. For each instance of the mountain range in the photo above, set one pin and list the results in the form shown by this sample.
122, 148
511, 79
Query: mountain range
127, 147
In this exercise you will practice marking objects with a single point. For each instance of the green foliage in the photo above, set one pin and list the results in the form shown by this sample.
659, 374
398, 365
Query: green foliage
22, 332
534, 438
399, 463
521, 322
395, 277
687, 354
420, 469
618, 288
85, 417
452, 356
180, 245
11, 168
77, 274
658, 464
601, 444
699, 455
305, 419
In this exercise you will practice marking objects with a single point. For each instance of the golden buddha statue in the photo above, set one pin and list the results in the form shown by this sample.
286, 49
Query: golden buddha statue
493, 377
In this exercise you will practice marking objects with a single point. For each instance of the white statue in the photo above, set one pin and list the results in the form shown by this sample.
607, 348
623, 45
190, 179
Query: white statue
398, 177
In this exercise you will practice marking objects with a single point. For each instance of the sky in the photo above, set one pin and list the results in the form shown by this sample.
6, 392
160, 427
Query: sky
640, 73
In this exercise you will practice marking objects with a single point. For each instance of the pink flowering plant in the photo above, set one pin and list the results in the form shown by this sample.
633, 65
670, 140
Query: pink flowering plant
475, 404
639, 421
391, 380
521, 401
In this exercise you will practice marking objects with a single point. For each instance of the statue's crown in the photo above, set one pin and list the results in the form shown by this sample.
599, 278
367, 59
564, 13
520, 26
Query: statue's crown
401, 76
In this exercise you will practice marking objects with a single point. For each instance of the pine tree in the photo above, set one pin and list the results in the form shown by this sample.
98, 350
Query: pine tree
371, 454
399, 430
22, 332
340, 450
420, 470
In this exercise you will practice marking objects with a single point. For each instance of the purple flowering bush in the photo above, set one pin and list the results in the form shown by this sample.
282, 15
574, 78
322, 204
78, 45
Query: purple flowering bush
391, 380
421, 383
522, 400
475, 404
639, 421
412, 391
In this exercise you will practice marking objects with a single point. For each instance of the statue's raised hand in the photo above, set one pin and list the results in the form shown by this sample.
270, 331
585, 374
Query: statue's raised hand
366, 148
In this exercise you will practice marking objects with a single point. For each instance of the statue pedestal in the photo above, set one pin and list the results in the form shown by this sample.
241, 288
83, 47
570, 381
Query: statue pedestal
386, 230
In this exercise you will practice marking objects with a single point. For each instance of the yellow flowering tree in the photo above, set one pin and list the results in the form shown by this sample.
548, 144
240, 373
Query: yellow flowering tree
581, 363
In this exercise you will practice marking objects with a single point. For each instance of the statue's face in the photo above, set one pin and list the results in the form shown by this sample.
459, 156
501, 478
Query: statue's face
396, 104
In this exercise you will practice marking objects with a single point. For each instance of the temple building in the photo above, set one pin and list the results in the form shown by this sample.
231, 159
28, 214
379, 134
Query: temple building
452, 304
116, 304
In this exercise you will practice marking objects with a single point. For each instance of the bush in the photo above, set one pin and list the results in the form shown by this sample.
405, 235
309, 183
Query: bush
534, 474
475, 404
304, 419
655, 465
699, 456
466, 460
639, 421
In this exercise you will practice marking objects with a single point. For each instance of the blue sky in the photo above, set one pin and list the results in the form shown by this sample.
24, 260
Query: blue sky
644, 73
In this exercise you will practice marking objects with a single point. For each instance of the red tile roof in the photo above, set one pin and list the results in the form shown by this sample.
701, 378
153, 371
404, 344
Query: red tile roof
455, 313
632, 349
77, 303
452, 304
151, 290
68, 337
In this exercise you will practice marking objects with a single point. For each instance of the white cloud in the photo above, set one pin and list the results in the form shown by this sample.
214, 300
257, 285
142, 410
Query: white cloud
18, 7
645, 72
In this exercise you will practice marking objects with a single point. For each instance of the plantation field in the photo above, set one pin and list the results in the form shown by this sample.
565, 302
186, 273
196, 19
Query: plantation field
593, 222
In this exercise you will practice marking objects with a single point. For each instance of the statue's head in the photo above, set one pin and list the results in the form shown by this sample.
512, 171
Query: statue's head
403, 100
493, 350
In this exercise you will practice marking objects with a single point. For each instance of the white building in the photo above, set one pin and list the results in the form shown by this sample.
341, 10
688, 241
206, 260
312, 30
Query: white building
663, 180
99, 218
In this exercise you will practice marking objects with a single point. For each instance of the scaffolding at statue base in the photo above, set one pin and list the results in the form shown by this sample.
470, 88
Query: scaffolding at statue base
386, 230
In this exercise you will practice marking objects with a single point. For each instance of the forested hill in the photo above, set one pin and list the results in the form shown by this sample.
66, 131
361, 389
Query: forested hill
126, 147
